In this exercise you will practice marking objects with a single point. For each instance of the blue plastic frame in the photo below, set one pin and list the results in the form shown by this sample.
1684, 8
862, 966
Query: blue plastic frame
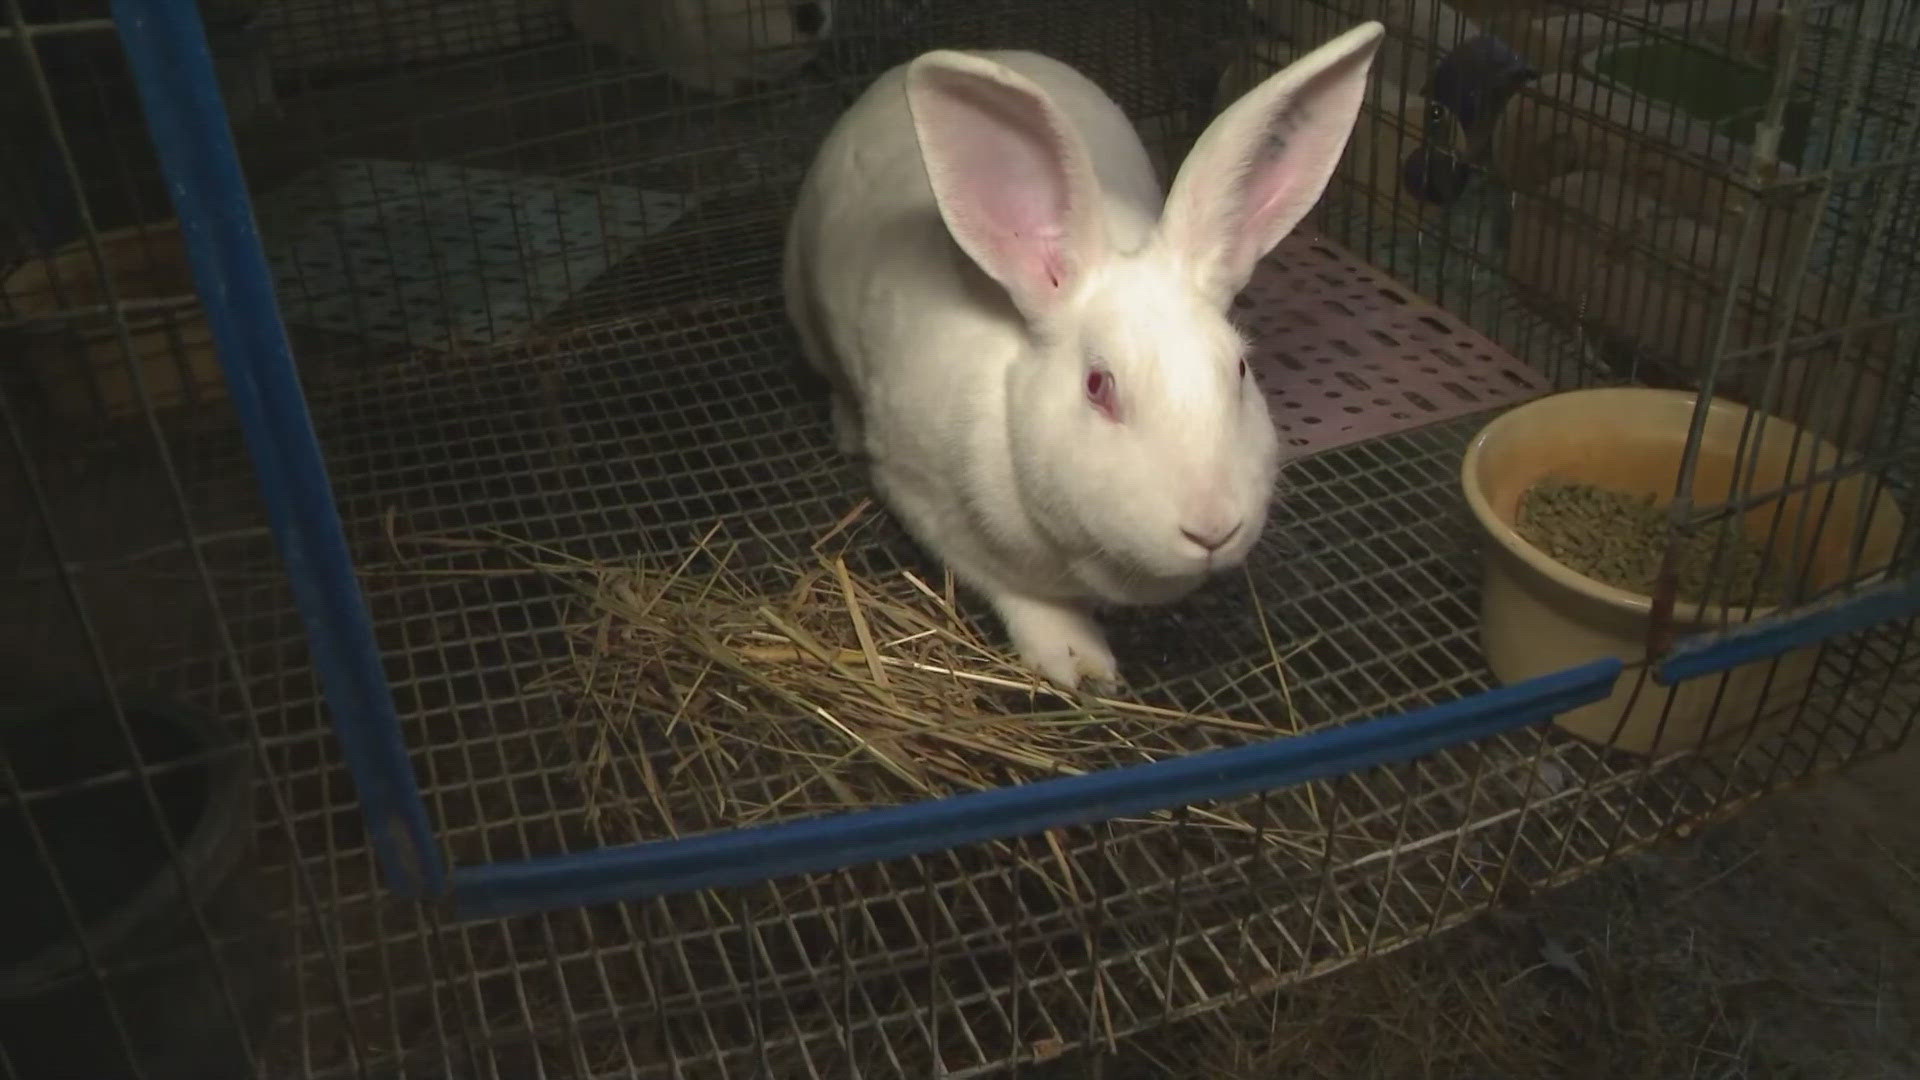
1708, 654
167, 50
745, 856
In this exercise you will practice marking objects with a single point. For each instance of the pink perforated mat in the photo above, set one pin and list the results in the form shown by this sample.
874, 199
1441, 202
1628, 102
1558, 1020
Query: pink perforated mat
1345, 353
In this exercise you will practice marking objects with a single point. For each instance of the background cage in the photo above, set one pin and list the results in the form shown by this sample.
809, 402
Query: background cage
530, 287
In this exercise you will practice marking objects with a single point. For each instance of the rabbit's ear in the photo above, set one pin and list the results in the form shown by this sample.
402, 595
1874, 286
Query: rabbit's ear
1013, 180
1263, 163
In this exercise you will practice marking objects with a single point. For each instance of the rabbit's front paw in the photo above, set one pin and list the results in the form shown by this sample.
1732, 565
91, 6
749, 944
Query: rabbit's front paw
1059, 642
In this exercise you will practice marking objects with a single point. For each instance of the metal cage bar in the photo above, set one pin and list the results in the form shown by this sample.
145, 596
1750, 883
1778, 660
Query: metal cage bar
166, 46
937, 934
174, 72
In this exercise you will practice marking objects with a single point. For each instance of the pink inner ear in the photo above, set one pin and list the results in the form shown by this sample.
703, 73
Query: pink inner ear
1269, 179
1293, 154
1003, 182
1263, 163
1032, 253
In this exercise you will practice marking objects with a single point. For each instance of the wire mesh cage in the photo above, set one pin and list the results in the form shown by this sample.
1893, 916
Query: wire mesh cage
586, 717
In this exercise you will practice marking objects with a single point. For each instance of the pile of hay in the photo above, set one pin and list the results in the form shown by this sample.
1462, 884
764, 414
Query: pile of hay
708, 700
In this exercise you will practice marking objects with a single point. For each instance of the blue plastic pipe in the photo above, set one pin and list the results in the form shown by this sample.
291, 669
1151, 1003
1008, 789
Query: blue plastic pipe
817, 845
1709, 654
166, 48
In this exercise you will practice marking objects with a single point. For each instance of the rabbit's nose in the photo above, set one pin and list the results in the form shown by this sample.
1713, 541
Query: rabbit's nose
808, 19
1211, 537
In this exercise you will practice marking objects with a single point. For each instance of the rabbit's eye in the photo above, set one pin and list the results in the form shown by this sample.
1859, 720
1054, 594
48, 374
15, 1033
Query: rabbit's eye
1100, 392
1243, 369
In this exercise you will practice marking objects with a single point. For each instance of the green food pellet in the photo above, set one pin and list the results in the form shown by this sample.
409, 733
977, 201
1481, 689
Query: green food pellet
1618, 539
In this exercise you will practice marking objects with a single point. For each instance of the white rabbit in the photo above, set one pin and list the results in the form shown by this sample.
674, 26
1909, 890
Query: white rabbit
1028, 340
715, 46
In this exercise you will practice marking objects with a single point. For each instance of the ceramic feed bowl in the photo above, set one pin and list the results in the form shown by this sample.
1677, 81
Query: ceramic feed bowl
1539, 616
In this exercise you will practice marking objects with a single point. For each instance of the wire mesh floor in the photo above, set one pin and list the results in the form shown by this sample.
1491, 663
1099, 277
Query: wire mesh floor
610, 433
641, 435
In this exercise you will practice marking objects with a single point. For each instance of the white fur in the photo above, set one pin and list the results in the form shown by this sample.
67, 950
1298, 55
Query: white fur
714, 46
974, 232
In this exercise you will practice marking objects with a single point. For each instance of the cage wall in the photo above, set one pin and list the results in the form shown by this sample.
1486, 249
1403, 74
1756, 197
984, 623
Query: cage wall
529, 281
124, 808
1702, 196
1631, 128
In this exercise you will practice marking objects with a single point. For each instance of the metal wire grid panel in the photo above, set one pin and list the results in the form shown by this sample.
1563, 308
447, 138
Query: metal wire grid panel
669, 195
638, 431
1370, 569
1676, 193
718, 984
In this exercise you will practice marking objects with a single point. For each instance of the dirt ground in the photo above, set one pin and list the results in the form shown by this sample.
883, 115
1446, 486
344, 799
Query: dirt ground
1784, 944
